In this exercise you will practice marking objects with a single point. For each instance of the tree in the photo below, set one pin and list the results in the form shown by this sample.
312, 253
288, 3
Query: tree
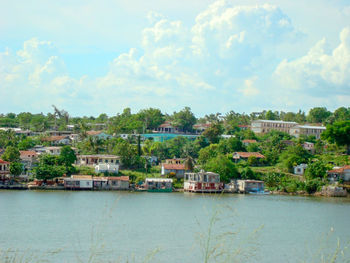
338, 132
67, 156
207, 153
50, 166
223, 166
213, 132
318, 115
230, 145
248, 173
26, 144
316, 170
11, 154
184, 119
294, 155
151, 118
16, 168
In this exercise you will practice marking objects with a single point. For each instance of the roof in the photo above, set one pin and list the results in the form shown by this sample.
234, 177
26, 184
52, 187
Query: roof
99, 156
170, 166
118, 178
162, 180
3, 162
28, 153
166, 124
309, 127
249, 154
201, 125
272, 121
93, 132
81, 177
339, 170
249, 141
54, 138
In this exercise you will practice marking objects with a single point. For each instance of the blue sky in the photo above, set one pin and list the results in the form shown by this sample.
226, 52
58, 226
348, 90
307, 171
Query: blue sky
89, 57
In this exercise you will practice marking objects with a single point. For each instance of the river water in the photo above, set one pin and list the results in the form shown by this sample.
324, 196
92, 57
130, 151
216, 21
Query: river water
63, 226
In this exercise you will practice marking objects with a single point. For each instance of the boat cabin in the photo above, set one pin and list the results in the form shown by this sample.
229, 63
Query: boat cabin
159, 184
203, 182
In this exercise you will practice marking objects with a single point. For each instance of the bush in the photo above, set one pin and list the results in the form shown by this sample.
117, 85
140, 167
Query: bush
311, 186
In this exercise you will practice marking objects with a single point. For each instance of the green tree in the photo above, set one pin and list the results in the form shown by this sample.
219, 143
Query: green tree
318, 115
184, 119
213, 133
151, 118
338, 132
26, 143
294, 155
248, 173
16, 168
11, 154
316, 170
230, 145
67, 156
223, 166
207, 153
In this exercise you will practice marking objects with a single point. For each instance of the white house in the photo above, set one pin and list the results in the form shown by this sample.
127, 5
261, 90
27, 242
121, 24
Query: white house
300, 169
95, 159
107, 167
77, 182
307, 130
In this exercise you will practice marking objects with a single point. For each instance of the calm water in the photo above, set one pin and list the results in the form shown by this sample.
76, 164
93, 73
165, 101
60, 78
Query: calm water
171, 227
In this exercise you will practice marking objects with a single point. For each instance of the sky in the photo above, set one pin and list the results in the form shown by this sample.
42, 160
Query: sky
101, 56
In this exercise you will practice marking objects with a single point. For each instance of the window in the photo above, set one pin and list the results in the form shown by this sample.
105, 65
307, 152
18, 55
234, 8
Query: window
106, 161
77, 183
100, 160
112, 161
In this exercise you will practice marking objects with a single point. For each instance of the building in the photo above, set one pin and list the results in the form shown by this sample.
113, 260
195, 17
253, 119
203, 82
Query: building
201, 127
78, 182
247, 142
167, 127
99, 134
54, 150
95, 159
250, 186
107, 167
265, 126
339, 173
57, 140
309, 146
158, 185
118, 183
237, 156
4, 168
29, 159
307, 130
300, 169
204, 182
175, 166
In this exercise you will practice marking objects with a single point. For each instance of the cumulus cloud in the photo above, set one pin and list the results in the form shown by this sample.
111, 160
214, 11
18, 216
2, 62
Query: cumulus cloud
319, 73
229, 54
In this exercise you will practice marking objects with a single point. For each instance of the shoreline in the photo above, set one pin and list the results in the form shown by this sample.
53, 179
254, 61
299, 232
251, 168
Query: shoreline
177, 190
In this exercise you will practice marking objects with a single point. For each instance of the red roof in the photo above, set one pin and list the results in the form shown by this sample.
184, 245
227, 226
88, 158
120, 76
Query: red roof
249, 154
169, 166
340, 170
202, 125
3, 162
91, 133
249, 141
166, 124
54, 138
26, 153
118, 178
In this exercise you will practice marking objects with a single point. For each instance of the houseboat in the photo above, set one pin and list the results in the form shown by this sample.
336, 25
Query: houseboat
203, 182
250, 186
158, 185
78, 182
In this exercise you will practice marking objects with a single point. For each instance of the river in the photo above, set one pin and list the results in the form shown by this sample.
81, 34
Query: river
64, 226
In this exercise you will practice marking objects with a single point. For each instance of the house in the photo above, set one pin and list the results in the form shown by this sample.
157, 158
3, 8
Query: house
250, 186
158, 184
201, 127
28, 160
95, 159
54, 150
204, 182
57, 140
339, 173
99, 134
247, 142
78, 182
309, 146
265, 126
237, 156
300, 169
4, 168
99, 183
118, 182
307, 130
167, 127
243, 127
107, 167
175, 166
